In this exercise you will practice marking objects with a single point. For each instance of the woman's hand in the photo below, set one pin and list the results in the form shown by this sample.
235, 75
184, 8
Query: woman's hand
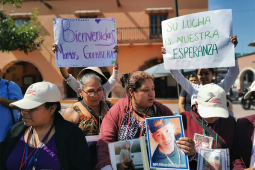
233, 39
252, 168
116, 49
163, 50
187, 145
54, 48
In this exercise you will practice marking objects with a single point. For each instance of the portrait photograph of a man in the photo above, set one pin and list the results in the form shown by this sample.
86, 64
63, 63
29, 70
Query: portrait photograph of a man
162, 133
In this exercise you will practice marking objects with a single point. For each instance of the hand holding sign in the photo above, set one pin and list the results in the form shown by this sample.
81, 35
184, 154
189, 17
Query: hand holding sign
199, 40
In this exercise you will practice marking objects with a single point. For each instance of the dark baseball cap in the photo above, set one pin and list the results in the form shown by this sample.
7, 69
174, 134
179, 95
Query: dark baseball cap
155, 124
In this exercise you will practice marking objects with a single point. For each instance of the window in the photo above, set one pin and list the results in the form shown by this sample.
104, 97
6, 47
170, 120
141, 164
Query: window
20, 22
155, 25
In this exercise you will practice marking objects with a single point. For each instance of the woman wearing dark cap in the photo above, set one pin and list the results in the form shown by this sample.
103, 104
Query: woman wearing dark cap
87, 114
184, 98
125, 120
43, 140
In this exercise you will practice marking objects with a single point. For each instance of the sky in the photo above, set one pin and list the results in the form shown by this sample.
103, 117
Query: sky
243, 12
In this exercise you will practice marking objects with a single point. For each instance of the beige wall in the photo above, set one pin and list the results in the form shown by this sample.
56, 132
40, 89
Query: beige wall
246, 63
131, 13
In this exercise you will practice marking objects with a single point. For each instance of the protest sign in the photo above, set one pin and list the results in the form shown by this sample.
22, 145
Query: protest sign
200, 40
84, 42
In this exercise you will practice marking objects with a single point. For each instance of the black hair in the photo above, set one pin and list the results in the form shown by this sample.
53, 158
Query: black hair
192, 75
49, 104
134, 80
211, 69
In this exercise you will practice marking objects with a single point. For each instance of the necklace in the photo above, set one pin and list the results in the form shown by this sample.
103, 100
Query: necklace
179, 155
140, 112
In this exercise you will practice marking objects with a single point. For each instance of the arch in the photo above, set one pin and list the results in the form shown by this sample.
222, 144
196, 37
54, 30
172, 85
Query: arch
240, 78
23, 73
16, 61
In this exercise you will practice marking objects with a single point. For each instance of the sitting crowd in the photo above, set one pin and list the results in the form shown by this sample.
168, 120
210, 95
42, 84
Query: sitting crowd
45, 139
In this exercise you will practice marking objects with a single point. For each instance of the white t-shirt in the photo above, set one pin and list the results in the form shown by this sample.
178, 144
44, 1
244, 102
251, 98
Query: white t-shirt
193, 89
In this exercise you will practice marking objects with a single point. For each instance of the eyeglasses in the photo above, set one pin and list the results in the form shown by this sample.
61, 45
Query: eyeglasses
93, 93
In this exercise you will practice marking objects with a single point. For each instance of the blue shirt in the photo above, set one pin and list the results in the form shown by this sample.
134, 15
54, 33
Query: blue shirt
5, 112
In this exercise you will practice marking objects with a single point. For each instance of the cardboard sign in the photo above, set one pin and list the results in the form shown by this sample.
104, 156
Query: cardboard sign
200, 40
84, 42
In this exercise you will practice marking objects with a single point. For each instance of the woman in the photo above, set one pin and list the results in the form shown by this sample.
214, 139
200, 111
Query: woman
210, 117
43, 140
184, 98
74, 84
205, 77
245, 139
87, 114
126, 163
125, 120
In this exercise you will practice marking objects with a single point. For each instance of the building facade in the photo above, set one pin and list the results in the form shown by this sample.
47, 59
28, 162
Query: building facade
138, 33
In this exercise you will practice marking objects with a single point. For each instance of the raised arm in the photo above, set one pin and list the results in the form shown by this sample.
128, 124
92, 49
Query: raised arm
233, 72
113, 80
180, 78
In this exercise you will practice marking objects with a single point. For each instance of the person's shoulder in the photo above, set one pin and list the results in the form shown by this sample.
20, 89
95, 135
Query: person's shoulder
246, 120
64, 124
12, 84
120, 105
185, 114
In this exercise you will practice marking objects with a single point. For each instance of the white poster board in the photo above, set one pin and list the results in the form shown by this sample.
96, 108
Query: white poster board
200, 40
84, 42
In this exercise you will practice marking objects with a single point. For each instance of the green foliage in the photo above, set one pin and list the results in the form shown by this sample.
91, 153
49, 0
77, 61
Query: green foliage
26, 38
17, 3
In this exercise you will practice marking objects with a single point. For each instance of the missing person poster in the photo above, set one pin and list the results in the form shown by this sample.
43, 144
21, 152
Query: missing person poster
162, 134
127, 155
217, 159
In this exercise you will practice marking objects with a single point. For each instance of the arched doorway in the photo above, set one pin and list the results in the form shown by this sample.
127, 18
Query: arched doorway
246, 78
165, 87
75, 71
23, 74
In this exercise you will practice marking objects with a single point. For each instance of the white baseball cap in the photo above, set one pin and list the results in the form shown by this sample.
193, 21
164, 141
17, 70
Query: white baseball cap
212, 101
252, 89
38, 94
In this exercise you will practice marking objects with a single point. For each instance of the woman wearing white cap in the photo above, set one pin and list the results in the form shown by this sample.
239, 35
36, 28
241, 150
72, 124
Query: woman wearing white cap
74, 84
43, 140
210, 118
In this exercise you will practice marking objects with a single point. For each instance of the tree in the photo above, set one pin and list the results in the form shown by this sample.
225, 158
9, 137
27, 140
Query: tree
26, 38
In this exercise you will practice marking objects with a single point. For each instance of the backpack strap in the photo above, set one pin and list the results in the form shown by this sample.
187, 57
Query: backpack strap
12, 114
208, 130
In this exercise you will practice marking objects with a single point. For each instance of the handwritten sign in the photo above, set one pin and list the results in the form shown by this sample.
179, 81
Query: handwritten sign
84, 42
200, 40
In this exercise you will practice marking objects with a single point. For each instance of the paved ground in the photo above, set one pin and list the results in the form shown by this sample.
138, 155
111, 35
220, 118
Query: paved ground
237, 109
